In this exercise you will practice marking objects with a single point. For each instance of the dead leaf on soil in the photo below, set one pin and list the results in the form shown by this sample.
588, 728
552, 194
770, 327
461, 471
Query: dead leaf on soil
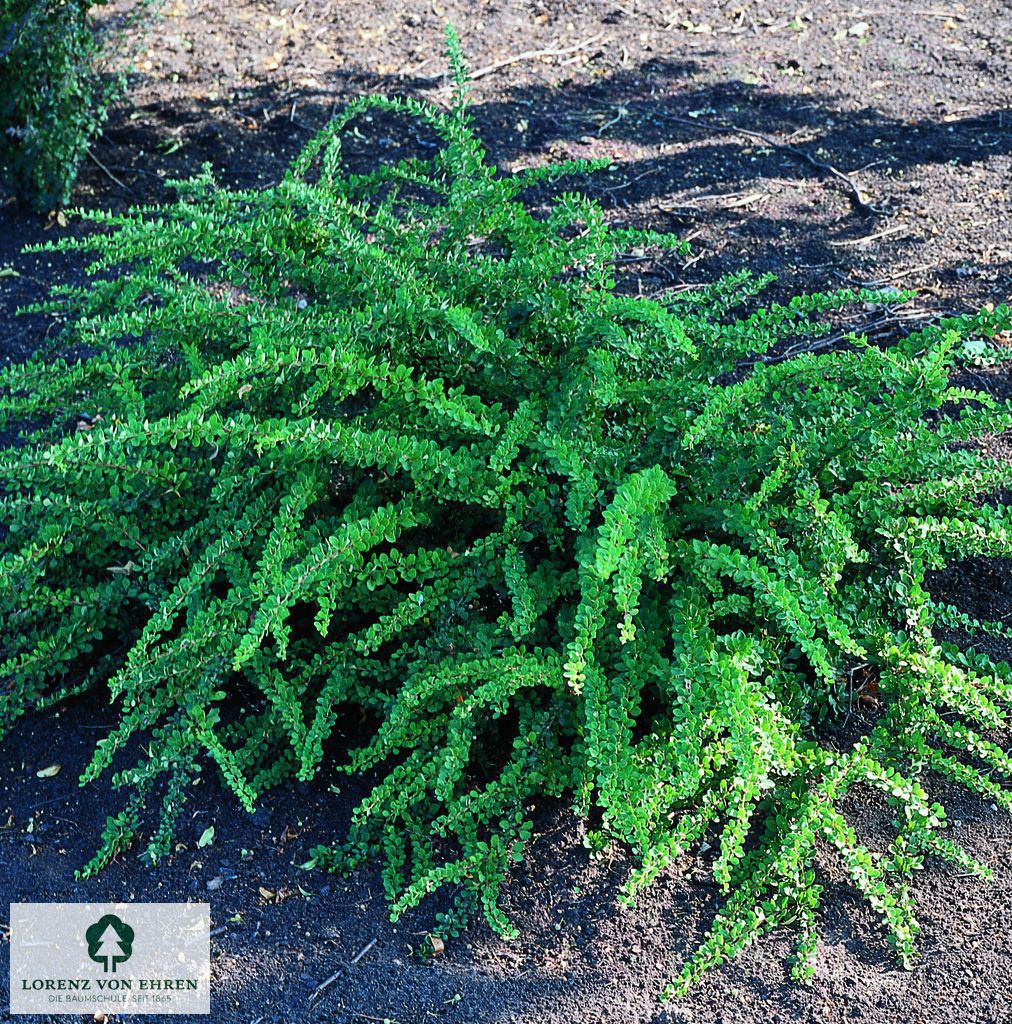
438, 946
48, 773
287, 834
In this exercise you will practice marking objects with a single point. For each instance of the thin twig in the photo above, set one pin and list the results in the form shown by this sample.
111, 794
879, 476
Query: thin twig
532, 55
879, 281
327, 982
874, 329
631, 181
112, 177
414, 69
870, 238
324, 985
362, 952
953, 15
689, 201
856, 195
53, 800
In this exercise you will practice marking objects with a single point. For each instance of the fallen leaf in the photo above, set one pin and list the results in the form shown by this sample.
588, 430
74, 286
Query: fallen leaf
437, 944
288, 834
206, 837
267, 894
48, 773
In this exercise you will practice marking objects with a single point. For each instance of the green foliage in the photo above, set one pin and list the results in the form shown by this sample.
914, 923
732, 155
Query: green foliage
389, 456
55, 93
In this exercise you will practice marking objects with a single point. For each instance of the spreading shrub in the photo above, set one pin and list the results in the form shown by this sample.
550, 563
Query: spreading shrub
388, 455
56, 87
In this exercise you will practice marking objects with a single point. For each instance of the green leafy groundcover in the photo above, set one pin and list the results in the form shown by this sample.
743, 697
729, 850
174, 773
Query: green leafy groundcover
391, 448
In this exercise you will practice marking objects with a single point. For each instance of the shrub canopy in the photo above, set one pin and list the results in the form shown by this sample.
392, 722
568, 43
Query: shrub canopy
56, 88
391, 448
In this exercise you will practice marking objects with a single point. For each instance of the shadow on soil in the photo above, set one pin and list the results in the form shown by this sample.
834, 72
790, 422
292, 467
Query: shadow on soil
676, 154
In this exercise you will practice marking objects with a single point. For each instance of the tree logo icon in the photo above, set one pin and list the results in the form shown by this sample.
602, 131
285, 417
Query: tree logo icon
110, 942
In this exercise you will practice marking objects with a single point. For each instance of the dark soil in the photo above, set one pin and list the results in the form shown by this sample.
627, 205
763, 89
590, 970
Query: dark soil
912, 102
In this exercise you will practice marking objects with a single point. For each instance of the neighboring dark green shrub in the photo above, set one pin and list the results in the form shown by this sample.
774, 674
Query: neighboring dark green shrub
55, 93
387, 458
